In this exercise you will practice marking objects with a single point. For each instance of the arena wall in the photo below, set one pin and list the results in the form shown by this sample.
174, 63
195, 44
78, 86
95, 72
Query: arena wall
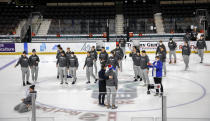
81, 48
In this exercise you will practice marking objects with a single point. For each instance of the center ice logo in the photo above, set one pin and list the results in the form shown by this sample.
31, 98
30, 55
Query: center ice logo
128, 91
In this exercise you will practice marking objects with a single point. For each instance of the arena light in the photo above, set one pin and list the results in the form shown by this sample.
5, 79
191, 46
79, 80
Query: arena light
192, 26
104, 34
151, 28
130, 34
58, 35
90, 35
14, 32
33, 34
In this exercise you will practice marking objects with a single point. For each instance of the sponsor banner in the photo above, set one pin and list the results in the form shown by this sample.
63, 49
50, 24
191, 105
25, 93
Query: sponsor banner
7, 47
148, 46
80, 48
152, 46
52, 47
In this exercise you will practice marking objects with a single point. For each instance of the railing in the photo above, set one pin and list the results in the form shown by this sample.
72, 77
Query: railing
95, 37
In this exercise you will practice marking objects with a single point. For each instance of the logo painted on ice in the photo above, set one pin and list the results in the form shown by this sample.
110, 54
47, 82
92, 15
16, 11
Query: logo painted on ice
129, 91
86, 47
43, 47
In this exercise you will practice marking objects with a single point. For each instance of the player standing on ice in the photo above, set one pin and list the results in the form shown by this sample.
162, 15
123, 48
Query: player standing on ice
111, 87
157, 74
62, 64
113, 61
102, 85
73, 66
103, 56
133, 54
122, 45
68, 53
94, 55
24, 63
137, 62
201, 44
119, 55
161, 45
89, 67
172, 47
186, 51
162, 55
144, 67
34, 62
60, 50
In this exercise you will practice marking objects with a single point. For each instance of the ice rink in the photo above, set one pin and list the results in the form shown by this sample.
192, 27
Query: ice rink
188, 94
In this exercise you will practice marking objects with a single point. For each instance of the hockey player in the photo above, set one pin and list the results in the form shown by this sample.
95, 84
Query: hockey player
162, 55
136, 66
122, 45
94, 55
132, 54
24, 63
159, 46
34, 62
60, 49
68, 53
62, 64
89, 67
187, 38
111, 87
157, 74
26, 104
73, 66
102, 85
103, 56
113, 61
201, 44
119, 55
144, 67
186, 51
172, 47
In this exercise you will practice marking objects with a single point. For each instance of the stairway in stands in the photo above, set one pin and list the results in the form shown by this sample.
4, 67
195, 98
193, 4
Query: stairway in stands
21, 24
159, 23
119, 19
45, 25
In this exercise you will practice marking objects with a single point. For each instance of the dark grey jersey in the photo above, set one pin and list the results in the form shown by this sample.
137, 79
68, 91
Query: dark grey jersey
63, 61
144, 62
33, 59
23, 61
89, 61
73, 61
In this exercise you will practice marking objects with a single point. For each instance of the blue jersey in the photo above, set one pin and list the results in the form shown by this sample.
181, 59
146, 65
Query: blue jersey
156, 69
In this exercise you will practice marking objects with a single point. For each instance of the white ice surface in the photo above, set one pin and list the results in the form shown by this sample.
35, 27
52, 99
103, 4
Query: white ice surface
187, 92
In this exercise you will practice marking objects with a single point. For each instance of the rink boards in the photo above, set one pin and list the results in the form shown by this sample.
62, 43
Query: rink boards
82, 48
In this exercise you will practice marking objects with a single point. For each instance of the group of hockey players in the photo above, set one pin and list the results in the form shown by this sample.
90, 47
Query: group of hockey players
67, 65
32, 62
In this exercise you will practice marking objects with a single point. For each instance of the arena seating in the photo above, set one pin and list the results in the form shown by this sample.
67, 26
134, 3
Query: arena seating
10, 16
78, 12
92, 19
179, 18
